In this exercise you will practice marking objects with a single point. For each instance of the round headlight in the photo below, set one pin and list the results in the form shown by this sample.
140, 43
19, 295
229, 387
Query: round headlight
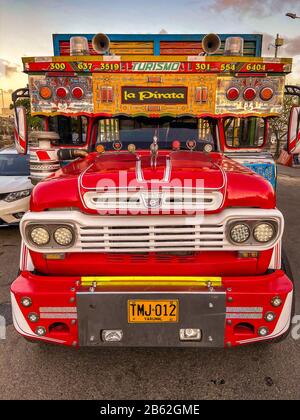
63, 236
240, 233
264, 232
40, 236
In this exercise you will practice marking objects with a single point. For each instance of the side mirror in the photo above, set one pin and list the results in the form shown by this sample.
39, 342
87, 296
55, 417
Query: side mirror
294, 131
21, 134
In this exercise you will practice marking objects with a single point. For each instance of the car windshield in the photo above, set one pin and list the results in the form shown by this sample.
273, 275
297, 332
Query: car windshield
14, 165
141, 132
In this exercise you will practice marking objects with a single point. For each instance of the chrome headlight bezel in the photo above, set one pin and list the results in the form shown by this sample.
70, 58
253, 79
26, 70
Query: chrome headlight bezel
51, 228
253, 224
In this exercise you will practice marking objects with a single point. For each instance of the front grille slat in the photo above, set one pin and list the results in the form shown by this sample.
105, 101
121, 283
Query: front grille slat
161, 238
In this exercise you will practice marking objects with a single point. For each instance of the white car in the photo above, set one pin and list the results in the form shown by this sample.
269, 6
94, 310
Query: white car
15, 186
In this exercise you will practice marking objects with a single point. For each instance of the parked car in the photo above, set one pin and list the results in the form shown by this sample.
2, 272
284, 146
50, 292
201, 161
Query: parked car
15, 186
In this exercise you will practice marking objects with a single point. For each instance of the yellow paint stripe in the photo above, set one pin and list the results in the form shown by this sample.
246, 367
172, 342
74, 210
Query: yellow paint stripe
152, 281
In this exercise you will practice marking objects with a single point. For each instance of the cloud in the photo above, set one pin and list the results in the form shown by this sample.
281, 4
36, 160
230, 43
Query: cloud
256, 8
8, 69
292, 46
11, 76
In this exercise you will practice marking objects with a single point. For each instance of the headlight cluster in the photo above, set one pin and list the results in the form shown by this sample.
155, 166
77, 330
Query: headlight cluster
51, 235
14, 196
263, 233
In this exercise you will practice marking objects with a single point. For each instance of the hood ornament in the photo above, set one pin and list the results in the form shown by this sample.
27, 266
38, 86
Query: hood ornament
154, 151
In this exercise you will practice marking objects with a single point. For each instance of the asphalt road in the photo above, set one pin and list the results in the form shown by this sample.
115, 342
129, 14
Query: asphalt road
258, 372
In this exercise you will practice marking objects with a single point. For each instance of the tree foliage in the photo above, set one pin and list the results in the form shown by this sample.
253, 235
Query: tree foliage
280, 125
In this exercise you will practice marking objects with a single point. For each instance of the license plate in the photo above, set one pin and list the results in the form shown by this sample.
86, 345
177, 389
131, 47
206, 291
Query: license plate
152, 311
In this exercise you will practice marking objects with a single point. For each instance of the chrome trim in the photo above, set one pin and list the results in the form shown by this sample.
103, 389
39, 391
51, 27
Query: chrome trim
134, 234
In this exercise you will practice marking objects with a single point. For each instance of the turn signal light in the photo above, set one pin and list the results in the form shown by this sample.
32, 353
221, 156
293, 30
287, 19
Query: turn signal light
45, 92
61, 92
131, 148
249, 94
266, 94
100, 148
233, 94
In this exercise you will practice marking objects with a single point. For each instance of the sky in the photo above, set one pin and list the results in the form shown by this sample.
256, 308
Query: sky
26, 26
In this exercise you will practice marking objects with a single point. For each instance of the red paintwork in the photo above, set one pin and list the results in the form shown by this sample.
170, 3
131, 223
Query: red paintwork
50, 291
241, 186
213, 263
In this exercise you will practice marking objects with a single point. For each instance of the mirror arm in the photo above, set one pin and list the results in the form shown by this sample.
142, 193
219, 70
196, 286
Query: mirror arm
71, 154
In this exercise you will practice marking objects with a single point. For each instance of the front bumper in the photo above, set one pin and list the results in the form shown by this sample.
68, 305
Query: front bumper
9, 210
228, 314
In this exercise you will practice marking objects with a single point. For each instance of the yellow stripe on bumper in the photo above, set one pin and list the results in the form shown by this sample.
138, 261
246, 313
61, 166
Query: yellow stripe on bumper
152, 281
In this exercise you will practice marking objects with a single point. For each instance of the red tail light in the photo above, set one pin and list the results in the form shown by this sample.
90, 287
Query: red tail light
61, 92
249, 94
233, 94
77, 92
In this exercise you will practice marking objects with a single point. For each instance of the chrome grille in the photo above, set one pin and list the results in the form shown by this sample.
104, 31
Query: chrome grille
166, 200
169, 238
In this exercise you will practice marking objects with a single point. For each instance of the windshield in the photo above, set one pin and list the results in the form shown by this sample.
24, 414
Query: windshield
72, 131
245, 132
141, 132
14, 165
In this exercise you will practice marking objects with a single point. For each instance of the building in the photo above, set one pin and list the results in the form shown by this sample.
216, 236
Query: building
5, 102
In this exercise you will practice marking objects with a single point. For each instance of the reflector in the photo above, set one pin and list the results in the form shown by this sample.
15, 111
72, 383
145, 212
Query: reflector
249, 94
61, 92
77, 92
233, 94
266, 94
45, 92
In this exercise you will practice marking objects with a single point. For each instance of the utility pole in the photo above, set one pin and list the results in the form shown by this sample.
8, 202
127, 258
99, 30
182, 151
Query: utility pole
279, 42
2, 94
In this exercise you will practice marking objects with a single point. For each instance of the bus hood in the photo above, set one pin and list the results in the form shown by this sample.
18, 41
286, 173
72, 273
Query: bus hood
123, 181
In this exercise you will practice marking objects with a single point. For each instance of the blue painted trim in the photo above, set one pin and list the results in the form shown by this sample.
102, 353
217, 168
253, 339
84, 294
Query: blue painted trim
157, 39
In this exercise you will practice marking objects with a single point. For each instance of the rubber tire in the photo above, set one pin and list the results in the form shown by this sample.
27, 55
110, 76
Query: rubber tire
286, 267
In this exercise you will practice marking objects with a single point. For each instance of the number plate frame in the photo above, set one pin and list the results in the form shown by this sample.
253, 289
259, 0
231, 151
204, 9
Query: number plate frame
151, 314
